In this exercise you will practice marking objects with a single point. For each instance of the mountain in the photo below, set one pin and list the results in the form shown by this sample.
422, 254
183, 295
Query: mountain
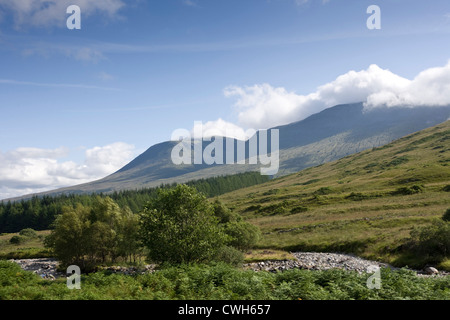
326, 136
347, 129
365, 204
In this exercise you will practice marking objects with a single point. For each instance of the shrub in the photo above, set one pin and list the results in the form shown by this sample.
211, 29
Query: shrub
398, 161
299, 209
323, 191
17, 240
243, 234
371, 165
253, 208
408, 190
230, 255
357, 196
271, 192
310, 182
223, 213
28, 232
274, 209
432, 243
446, 216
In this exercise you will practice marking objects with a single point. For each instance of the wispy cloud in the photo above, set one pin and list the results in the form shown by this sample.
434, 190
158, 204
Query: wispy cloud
50, 13
88, 51
190, 3
53, 85
105, 76
304, 2
301, 2
138, 108
82, 53
94, 51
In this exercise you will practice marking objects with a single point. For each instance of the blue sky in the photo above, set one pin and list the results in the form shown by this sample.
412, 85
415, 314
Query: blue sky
75, 105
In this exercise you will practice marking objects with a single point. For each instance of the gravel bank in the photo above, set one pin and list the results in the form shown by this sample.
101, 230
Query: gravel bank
44, 267
326, 261
318, 261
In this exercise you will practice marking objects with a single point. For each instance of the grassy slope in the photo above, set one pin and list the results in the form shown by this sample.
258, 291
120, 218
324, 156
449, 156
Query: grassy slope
30, 248
350, 205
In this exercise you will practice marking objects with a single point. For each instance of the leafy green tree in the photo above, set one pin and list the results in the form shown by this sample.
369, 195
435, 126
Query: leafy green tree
179, 226
128, 242
242, 235
89, 235
69, 240
223, 213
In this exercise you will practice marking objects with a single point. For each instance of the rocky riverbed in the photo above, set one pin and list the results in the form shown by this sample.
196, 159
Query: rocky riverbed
318, 261
47, 268
326, 261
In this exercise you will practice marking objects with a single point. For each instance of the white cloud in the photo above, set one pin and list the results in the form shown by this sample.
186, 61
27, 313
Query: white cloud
220, 128
429, 88
105, 160
263, 106
53, 12
30, 170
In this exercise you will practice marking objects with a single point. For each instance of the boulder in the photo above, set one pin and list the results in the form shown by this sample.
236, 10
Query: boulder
430, 270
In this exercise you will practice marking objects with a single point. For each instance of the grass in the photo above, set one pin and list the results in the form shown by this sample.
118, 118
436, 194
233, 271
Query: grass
445, 265
28, 249
258, 255
223, 282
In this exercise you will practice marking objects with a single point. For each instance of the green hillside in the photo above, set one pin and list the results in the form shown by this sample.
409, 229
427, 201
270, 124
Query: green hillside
366, 203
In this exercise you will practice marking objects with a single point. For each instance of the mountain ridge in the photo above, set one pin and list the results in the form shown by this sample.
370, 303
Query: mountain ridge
325, 136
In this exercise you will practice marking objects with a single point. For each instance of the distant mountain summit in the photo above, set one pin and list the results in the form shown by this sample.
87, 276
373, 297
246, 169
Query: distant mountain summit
326, 136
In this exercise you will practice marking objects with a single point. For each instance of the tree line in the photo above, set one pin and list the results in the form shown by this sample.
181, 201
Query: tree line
40, 212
